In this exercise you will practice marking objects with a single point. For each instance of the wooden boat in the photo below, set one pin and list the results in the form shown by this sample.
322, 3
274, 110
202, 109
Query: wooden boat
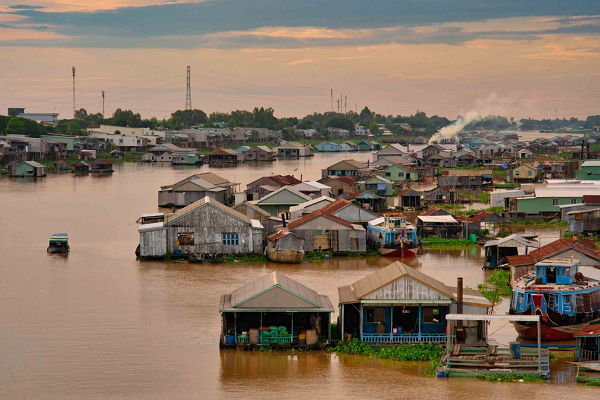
567, 300
588, 371
394, 235
59, 243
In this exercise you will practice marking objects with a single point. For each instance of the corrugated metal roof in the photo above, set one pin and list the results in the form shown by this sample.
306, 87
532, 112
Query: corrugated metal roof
513, 240
448, 219
149, 227
285, 188
200, 203
487, 317
590, 330
392, 272
591, 163
467, 172
309, 203
269, 281
253, 207
317, 214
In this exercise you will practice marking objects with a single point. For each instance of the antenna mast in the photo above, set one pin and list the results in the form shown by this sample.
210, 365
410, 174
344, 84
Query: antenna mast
188, 94
103, 105
331, 100
73, 92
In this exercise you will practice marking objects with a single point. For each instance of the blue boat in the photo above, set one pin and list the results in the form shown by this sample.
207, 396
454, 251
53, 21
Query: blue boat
394, 235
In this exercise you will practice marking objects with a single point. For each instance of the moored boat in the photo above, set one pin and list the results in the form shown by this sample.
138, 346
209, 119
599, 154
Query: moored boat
285, 247
59, 243
566, 300
394, 235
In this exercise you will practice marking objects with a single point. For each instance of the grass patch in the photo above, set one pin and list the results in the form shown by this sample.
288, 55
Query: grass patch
316, 256
404, 352
230, 259
447, 244
484, 197
451, 207
470, 213
542, 223
511, 378
496, 287
593, 383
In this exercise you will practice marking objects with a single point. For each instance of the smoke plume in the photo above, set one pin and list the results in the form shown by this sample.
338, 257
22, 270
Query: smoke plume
452, 131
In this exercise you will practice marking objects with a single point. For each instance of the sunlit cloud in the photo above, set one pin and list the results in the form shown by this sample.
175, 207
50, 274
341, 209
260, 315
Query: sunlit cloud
301, 61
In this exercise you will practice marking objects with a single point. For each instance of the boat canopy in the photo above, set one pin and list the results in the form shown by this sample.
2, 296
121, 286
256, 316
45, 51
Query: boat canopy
58, 237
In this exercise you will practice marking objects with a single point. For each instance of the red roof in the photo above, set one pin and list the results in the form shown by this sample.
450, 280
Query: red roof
406, 191
480, 216
519, 261
591, 198
590, 330
281, 233
317, 214
433, 211
344, 179
554, 248
407, 169
284, 180
335, 206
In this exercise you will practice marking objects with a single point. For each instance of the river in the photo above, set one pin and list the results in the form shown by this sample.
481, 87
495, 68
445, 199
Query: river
100, 325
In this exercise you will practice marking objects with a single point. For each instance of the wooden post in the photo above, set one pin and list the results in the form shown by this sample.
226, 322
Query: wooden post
420, 318
360, 330
391, 324
342, 306
539, 335
235, 327
292, 327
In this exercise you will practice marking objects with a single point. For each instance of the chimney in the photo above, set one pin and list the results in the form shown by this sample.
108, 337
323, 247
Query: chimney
283, 220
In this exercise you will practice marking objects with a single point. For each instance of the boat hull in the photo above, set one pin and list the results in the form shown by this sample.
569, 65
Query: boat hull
56, 250
285, 256
552, 328
397, 252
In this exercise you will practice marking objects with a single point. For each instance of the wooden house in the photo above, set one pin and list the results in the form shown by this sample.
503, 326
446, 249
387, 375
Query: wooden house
280, 201
225, 156
350, 212
28, 169
102, 166
399, 304
204, 227
367, 200
340, 184
81, 167
466, 178
166, 157
254, 212
323, 231
118, 154
328, 147
410, 198
261, 187
380, 186
312, 189
275, 301
588, 343
307, 207
348, 146
260, 153
285, 247
440, 194
400, 173
440, 160
186, 158
350, 168
148, 157
393, 149
188, 191
62, 166
524, 173
364, 146
293, 150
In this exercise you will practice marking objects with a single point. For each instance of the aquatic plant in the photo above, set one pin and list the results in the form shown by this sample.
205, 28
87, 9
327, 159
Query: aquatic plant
402, 352
511, 378
230, 259
315, 256
447, 244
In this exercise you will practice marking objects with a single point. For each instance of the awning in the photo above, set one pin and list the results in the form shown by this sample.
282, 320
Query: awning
487, 317
447, 219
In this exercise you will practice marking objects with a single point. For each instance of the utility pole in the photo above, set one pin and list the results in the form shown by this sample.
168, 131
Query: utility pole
188, 94
331, 100
338, 106
73, 92
103, 105
345, 104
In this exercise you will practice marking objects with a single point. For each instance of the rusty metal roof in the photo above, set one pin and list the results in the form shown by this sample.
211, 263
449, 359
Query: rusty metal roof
303, 297
317, 214
588, 331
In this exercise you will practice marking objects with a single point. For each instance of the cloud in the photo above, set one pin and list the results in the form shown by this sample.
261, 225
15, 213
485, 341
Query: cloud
301, 61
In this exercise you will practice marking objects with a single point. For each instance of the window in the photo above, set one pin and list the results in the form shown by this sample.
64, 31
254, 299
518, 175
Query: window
431, 316
388, 174
573, 201
375, 315
530, 173
400, 174
516, 172
231, 239
554, 202
185, 238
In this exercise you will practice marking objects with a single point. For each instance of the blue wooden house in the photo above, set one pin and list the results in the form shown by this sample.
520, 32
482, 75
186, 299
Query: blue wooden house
399, 304
328, 147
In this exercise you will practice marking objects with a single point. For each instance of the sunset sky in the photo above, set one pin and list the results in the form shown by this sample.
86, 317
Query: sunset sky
512, 57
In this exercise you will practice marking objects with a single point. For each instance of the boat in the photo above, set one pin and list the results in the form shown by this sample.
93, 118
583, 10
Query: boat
566, 300
394, 235
285, 247
59, 243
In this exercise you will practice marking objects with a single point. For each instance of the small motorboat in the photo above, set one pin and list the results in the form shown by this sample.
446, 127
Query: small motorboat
59, 243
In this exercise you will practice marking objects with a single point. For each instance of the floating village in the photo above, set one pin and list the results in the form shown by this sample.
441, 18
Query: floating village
473, 190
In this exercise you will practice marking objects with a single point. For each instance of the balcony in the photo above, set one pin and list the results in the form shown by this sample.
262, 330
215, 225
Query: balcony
400, 338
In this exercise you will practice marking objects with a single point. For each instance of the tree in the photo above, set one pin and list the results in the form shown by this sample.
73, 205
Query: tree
341, 123
187, 118
16, 126
125, 118
374, 128
254, 135
3, 123
365, 114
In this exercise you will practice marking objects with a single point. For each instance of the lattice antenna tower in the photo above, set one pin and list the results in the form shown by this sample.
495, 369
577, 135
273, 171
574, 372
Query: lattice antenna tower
188, 93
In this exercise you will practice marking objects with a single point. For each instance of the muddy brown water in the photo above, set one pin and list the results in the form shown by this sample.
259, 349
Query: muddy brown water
97, 324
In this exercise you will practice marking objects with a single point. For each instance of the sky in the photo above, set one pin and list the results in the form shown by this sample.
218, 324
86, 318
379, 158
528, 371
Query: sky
533, 58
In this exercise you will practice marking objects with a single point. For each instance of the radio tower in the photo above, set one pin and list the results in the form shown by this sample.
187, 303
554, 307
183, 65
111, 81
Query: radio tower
188, 94
103, 105
73, 92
